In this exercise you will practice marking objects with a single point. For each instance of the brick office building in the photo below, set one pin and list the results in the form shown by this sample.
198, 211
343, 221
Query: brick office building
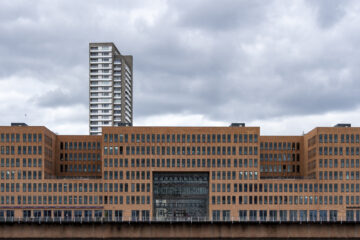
180, 173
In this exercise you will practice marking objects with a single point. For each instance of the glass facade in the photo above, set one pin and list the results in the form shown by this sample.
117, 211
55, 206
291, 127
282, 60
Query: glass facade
180, 195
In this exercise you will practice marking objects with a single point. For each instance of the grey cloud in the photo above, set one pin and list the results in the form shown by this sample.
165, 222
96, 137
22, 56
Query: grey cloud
59, 98
329, 12
228, 60
221, 15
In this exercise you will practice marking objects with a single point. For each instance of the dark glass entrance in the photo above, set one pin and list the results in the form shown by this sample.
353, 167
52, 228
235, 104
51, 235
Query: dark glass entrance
180, 195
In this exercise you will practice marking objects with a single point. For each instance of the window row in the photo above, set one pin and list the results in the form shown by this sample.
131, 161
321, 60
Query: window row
181, 138
16, 137
280, 168
73, 200
329, 163
279, 157
344, 138
280, 215
79, 145
71, 214
215, 200
278, 187
285, 200
339, 151
227, 175
111, 187
86, 214
249, 187
21, 150
325, 175
80, 168
75, 187
180, 162
80, 157
280, 146
21, 175
130, 175
26, 162
163, 150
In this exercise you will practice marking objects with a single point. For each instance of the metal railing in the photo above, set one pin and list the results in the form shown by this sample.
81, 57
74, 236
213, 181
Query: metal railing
167, 220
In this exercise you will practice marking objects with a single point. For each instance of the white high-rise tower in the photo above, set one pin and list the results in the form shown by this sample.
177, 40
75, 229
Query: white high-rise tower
110, 87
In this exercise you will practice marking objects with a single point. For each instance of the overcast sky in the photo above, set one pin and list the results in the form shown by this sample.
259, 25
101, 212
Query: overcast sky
286, 66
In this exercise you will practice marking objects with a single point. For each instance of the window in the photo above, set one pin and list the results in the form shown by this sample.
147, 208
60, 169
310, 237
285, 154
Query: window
226, 215
216, 215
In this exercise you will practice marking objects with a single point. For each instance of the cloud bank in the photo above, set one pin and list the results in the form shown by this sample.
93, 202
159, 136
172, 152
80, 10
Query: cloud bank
285, 66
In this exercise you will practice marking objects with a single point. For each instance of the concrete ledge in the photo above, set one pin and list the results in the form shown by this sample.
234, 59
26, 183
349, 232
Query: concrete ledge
201, 230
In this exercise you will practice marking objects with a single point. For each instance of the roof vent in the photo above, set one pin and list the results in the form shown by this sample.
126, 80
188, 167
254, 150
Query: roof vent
343, 125
18, 124
237, 125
